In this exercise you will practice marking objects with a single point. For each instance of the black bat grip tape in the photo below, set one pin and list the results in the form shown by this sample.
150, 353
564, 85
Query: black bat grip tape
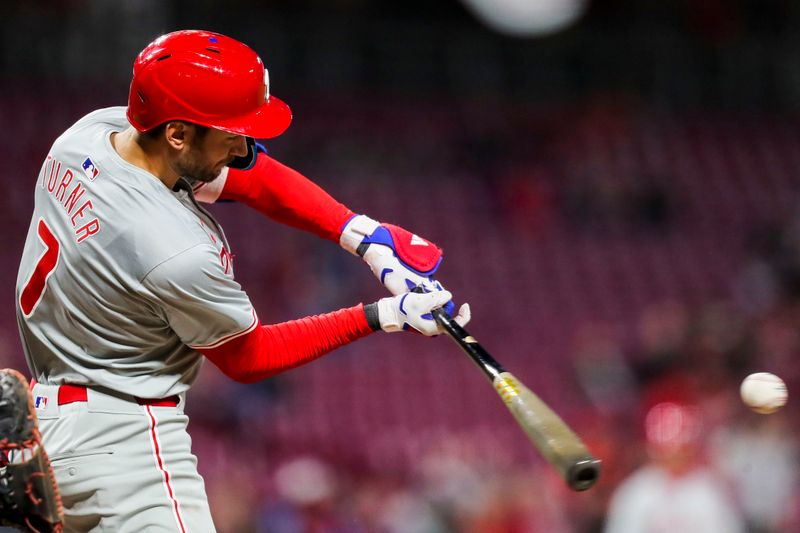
467, 342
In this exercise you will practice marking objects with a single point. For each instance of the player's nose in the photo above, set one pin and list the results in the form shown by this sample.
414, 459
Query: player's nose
239, 147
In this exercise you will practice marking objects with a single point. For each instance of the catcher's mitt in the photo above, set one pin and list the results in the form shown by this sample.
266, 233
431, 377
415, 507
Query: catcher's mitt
29, 498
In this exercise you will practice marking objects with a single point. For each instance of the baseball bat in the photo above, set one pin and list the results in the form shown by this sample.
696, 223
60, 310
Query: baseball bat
550, 435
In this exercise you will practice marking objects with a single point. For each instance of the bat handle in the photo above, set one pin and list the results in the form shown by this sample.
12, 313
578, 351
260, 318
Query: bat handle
447, 321
469, 344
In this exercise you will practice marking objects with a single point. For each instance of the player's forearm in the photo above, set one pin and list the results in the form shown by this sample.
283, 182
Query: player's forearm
287, 196
270, 349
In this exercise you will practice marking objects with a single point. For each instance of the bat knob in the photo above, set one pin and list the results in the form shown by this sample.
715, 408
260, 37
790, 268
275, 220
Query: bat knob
583, 474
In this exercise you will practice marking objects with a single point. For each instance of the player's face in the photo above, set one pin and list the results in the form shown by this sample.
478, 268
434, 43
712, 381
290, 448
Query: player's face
208, 153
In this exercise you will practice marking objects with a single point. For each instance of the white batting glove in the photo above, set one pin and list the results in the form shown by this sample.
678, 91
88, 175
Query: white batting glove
399, 259
412, 310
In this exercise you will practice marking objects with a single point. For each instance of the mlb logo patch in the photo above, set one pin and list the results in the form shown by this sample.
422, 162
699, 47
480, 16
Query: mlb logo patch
40, 402
90, 169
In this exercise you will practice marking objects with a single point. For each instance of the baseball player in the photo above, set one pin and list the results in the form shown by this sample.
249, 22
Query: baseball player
126, 282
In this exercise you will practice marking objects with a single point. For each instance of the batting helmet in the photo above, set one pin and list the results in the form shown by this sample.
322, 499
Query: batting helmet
208, 79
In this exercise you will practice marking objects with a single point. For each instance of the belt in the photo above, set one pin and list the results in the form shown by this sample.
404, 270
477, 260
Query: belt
78, 393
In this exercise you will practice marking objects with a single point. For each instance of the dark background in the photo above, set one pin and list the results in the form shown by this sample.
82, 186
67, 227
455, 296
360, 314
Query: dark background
617, 201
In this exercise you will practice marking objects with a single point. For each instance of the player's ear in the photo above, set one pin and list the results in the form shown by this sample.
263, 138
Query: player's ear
177, 134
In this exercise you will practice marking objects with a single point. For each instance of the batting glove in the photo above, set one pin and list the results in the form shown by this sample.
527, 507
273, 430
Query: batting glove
400, 259
412, 311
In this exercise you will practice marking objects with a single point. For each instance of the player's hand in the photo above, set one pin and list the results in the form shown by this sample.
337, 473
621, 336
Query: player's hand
399, 259
412, 310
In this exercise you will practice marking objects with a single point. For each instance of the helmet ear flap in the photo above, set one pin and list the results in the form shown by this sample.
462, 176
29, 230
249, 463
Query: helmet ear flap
246, 162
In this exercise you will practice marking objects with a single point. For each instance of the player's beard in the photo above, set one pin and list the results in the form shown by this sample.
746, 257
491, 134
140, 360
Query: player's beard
195, 167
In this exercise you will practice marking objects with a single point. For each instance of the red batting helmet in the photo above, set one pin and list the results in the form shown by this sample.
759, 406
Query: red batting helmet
208, 79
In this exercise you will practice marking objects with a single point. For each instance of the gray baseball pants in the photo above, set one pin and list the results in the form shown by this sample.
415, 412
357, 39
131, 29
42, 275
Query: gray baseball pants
122, 467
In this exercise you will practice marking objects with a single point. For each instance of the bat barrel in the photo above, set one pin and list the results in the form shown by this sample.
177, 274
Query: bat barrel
583, 474
552, 437
559, 445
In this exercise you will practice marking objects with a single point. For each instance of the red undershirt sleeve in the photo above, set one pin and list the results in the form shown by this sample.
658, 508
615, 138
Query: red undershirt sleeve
287, 196
268, 350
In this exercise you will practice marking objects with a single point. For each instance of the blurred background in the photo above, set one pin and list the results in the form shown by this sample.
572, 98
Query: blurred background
615, 185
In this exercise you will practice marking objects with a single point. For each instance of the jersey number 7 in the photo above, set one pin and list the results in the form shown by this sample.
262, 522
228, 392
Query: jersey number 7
34, 289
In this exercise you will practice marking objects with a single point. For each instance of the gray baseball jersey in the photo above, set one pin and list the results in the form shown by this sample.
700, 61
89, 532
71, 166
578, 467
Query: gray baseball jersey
121, 279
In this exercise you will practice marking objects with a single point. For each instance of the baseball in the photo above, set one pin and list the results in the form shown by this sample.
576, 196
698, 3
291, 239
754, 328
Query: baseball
764, 392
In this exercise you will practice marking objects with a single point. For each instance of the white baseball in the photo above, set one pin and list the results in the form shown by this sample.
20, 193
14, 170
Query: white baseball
764, 392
